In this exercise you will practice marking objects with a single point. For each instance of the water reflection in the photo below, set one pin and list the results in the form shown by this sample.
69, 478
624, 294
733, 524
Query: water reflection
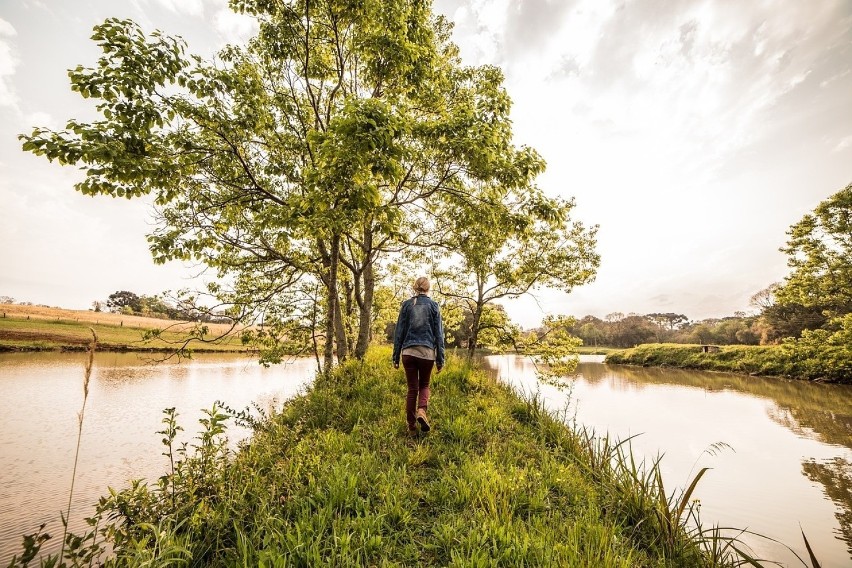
819, 411
836, 477
791, 444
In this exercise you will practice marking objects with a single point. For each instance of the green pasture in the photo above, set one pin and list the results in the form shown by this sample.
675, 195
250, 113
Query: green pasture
40, 334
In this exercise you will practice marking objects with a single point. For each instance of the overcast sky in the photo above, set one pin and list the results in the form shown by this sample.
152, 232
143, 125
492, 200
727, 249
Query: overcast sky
694, 133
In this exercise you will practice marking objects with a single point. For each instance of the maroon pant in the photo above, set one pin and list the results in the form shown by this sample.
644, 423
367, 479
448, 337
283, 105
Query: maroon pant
417, 372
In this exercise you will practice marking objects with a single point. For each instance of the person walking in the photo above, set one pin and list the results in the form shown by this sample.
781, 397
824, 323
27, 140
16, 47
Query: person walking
419, 342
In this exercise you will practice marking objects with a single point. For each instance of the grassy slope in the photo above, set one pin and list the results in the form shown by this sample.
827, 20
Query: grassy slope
765, 360
334, 481
36, 328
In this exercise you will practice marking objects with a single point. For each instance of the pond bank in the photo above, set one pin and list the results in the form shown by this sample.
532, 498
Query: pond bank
830, 365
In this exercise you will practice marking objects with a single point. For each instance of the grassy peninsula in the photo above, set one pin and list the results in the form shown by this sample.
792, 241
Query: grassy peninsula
333, 480
817, 360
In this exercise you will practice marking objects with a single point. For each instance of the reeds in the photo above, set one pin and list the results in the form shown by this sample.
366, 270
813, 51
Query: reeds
87, 375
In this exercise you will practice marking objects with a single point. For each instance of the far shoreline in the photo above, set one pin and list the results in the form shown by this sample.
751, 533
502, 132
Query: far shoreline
25, 328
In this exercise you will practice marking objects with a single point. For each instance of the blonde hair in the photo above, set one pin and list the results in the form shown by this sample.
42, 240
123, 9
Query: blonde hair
421, 285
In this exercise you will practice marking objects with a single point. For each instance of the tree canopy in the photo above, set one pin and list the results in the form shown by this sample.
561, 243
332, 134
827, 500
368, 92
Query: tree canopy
819, 251
510, 243
118, 301
290, 166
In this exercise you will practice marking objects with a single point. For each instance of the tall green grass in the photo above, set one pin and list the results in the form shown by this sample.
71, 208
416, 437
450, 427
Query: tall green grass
334, 480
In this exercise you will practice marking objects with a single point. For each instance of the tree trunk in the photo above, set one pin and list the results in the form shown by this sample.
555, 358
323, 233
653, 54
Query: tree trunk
340, 332
474, 331
477, 317
365, 303
314, 309
349, 313
331, 258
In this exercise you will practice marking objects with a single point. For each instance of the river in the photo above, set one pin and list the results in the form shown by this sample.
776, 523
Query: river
781, 451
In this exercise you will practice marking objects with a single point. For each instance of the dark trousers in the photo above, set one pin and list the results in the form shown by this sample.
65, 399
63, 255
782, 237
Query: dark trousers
417, 373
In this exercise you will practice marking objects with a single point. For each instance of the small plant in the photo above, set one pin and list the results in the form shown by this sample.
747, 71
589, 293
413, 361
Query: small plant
169, 433
245, 417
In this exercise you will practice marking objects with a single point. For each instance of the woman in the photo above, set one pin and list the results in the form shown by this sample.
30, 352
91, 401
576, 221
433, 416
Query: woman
419, 339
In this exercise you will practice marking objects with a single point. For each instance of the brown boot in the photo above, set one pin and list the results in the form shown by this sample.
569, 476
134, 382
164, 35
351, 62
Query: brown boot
423, 420
412, 432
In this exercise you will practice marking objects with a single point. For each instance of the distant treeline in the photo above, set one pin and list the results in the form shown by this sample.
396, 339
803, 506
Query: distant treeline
125, 302
619, 330
770, 326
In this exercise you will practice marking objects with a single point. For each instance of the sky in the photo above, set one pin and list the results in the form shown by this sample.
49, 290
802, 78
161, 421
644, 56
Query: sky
693, 133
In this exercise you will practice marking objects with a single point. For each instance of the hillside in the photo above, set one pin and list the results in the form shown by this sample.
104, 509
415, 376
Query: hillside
38, 328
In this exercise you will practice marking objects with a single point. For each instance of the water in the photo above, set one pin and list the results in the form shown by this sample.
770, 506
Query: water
42, 394
781, 451
789, 461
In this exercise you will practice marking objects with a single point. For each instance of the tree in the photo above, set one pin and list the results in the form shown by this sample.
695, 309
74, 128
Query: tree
728, 329
295, 162
819, 251
764, 298
553, 349
512, 241
495, 331
667, 322
591, 330
631, 330
118, 301
790, 320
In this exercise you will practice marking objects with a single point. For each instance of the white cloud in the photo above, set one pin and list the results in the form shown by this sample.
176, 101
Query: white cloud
233, 27
479, 28
638, 109
826, 82
843, 144
42, 119
187, 7
38, 4
679, 90
8, 63
7, 29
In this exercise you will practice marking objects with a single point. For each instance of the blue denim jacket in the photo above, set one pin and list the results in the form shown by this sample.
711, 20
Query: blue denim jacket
419, 323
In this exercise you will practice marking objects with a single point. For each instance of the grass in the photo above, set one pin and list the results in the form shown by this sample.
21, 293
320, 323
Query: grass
595, 350
333, 480
49, 329
764, 360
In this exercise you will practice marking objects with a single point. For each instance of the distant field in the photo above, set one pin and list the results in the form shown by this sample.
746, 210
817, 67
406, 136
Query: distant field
39, 328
